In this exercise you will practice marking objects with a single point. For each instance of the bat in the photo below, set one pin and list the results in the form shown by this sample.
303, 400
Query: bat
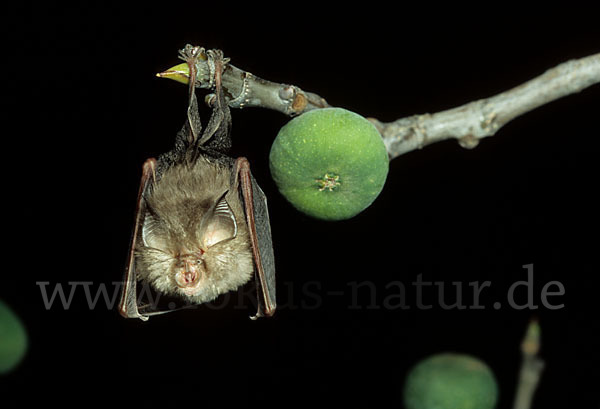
201, 222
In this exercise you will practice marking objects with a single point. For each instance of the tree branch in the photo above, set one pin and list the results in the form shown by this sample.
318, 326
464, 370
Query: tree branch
531, 367
468, 123
471, 122
243, 89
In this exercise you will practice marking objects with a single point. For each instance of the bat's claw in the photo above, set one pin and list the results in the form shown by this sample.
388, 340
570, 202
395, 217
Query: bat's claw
189, 52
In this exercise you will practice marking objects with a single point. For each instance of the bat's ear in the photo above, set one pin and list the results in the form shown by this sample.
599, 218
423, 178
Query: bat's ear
219, 224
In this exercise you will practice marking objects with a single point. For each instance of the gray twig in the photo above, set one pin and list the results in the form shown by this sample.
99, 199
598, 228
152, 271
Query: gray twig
468, 123
471, 122
531, 367
244, 89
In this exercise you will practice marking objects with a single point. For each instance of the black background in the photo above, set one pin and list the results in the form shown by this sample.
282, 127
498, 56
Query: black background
81, 89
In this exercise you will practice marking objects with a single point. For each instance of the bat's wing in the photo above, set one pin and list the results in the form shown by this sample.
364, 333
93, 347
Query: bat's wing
257, 216
128, 306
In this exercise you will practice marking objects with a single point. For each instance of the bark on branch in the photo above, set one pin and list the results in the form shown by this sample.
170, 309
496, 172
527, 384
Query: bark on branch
471, 122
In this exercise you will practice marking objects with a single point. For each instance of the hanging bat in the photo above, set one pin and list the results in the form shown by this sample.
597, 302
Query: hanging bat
201, 225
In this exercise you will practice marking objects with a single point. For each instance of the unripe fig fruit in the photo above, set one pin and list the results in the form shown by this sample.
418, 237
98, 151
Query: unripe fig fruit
329, 163
450, 381
13, 339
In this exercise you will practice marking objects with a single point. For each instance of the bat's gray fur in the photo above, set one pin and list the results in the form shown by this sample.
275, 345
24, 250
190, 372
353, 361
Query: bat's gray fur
177, 204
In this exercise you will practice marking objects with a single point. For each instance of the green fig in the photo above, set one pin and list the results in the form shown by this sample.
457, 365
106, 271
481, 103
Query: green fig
329, 163
450, 381
13, 339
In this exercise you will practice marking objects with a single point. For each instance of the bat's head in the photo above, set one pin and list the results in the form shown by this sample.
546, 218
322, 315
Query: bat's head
194, 241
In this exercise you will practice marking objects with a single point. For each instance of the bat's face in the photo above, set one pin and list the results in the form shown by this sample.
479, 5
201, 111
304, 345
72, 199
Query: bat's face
194, 240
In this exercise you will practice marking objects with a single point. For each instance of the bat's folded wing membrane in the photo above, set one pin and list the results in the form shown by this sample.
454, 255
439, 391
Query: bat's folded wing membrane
257, 216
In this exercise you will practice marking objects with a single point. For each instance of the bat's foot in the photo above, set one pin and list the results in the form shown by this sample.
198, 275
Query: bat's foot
207, 64
192, 53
